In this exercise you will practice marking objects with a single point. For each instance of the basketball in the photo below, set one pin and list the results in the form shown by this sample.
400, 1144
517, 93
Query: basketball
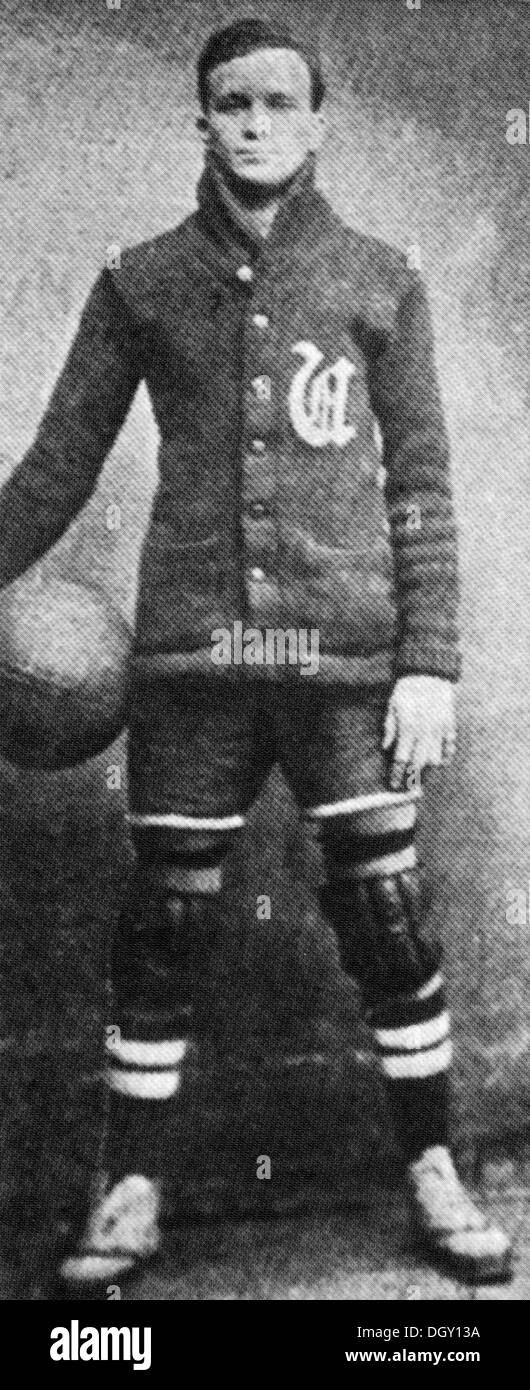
64, 652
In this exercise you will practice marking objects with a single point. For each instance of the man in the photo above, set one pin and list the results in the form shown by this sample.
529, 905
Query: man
282, 352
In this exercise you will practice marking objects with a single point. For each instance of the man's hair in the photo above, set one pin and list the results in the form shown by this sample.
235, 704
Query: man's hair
246, 35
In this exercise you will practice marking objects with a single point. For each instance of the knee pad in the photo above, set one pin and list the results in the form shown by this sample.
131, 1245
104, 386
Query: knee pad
374, 898
170, 909
181, 864
380, 932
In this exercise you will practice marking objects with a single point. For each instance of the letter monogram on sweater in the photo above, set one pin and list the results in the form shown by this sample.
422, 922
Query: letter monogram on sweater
318, 403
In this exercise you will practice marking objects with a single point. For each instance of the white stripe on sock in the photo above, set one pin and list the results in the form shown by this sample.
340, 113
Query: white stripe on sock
182, 880
386, 864
175, 822
415, 1035
147, 1054
372, 802
145, 1085
419, 1064
436, 982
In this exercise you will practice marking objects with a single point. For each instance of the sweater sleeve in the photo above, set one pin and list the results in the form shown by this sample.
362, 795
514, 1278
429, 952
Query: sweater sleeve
406, 400
89, 403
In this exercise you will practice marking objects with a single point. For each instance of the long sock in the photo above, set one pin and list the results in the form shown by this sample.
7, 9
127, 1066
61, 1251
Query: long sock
147, 1044
144, 1065
412, 1036
420, 1110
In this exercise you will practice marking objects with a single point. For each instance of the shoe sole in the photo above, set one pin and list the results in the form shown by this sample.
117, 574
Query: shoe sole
487, 1269
67, 1289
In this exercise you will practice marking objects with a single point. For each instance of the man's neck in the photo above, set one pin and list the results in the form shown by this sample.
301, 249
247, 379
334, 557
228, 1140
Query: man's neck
264, 216
257, 206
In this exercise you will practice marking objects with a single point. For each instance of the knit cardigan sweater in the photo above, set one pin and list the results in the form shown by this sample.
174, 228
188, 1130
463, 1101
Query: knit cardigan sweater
303, 461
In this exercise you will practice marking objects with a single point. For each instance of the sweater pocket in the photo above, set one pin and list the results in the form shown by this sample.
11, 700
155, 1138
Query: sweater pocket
191, 566
345, 591
180, 591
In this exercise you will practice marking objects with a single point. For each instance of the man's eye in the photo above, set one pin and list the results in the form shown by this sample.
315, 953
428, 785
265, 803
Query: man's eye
279, 102
233, 103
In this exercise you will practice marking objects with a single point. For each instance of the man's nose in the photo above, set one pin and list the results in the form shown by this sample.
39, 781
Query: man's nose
257, 123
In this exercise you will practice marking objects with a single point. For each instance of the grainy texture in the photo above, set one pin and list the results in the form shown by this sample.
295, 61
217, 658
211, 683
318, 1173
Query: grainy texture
100, 147
175, 315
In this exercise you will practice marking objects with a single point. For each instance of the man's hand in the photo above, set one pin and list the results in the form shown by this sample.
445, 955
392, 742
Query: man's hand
420, 726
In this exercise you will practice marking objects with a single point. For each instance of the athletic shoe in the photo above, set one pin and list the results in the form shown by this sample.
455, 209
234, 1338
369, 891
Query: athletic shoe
456, 1232
122, 1235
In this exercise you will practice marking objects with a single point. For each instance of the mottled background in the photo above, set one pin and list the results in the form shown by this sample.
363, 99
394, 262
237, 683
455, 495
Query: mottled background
99, 146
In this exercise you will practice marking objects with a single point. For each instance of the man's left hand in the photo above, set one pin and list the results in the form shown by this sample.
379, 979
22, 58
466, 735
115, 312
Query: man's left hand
420, 726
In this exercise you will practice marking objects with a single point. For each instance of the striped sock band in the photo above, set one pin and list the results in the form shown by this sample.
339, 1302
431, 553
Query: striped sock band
372, 841
145, 1070
412, 1035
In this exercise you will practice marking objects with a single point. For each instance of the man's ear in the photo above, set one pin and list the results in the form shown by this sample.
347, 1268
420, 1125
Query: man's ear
318, 130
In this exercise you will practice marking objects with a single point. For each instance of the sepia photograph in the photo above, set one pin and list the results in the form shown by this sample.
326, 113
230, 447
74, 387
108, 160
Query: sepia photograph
265, 663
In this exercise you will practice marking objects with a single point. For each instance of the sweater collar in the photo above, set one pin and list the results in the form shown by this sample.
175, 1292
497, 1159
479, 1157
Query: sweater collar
235, 229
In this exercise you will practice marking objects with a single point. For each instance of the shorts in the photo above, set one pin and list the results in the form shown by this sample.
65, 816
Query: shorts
203, 750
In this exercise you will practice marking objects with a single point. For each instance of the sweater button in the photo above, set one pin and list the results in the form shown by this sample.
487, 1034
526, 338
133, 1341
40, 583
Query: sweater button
381, 476
258, 446
261, 386
245, 274
260, 320
257, 575
257, 511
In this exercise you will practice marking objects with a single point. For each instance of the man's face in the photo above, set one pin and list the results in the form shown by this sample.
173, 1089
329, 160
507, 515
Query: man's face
260, 121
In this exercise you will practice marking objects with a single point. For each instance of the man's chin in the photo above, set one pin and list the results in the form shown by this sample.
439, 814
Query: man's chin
258, 176
262, 180
256, 184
